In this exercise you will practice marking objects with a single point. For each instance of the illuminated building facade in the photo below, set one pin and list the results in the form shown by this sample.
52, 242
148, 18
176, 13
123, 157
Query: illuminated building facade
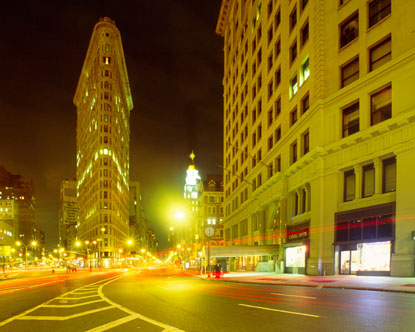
211, 208
68, 214
191, 234
319, 129
103, 101
138, 224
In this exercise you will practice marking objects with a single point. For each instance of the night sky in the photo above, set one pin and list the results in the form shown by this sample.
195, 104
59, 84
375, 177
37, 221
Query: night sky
175, 67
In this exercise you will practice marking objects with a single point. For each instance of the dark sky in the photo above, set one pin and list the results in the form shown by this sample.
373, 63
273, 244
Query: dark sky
175, 67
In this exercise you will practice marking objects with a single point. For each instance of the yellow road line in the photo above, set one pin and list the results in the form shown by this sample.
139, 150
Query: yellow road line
65, 317
70, 305
113, 324
283, 311
75, 298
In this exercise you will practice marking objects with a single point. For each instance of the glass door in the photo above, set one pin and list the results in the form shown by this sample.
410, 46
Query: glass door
345, 262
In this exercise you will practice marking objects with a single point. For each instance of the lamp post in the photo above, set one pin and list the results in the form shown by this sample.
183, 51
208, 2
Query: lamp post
32, 244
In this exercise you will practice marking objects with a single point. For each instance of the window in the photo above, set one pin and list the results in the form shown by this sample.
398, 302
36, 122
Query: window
293, 116
305, 103
107, 60
277, 48
293, 18
304, 34
306, 142
277, 77
378, 9
277, 134
294, 152
350, 72
349, 186
270, 117
381, 105
270, 88
293, 52
351, 120
278, 164
277, 19
389, 175
305, 70
270, 34
244, 227
270, 61
303, 4
296, 201
270, 142
235, 231
368, 181
380, 54
349, 30
277, 107
293, 86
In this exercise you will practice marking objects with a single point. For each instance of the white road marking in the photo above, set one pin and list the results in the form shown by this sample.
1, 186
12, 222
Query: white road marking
283, 311
304, 297
113, 324
70, 305
65, 317
144, 318
85, 292
6, 321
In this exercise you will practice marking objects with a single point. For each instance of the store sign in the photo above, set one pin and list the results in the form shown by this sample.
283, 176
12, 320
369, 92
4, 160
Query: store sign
298, 232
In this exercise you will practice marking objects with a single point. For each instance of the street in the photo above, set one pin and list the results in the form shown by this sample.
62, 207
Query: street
171, 300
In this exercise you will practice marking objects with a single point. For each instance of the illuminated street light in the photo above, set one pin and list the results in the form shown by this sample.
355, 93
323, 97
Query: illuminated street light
32, 244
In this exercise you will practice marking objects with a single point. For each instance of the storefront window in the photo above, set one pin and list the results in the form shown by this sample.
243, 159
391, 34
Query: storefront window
295, 256
374, 256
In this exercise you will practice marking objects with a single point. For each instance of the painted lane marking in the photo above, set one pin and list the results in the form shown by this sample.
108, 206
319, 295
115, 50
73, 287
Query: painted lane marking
70, 305
85, 292
75, 298
6, 321
84, 313
304, 297
278, 310
133, 313
113, 324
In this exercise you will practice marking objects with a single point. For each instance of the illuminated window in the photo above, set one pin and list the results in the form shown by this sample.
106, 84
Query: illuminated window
293, 86
380, 54
381, 105
351, 120
378, 9
349, 30
349, 186
107, 60
305, 70
350, 72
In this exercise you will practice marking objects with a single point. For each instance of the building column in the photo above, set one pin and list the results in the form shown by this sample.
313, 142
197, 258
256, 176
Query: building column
358, 181
378, 176
307, 197
403, 259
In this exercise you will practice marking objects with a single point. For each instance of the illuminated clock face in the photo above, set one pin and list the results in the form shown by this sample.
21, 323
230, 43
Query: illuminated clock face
209, 231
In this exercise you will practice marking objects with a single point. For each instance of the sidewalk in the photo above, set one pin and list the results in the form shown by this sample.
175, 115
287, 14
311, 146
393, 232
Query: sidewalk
387, 284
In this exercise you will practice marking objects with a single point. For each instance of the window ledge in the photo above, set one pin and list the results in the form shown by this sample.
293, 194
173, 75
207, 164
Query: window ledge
378, 23
348, 44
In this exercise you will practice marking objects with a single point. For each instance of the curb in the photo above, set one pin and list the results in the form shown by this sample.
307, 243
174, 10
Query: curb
316, 286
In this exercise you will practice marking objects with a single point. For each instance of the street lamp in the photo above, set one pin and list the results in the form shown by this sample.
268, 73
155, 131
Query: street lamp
32, 244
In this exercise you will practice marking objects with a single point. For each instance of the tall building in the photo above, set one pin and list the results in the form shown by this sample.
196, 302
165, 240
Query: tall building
103, 101
138, 224
191, 232
211, 209
68, 214
319, 129
14, 187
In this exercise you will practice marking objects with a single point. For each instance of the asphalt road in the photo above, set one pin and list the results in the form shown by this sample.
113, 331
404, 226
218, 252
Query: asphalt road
158, 300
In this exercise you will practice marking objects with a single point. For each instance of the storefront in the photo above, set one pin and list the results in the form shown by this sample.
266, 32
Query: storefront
364, 240
296, 248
